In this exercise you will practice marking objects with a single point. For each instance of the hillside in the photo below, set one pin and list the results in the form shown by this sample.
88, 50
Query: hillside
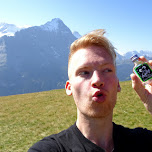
27, 118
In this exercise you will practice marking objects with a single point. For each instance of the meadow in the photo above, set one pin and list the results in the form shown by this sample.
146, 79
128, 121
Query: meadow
27, 118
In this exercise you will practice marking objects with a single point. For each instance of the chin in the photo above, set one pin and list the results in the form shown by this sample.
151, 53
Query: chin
101, 114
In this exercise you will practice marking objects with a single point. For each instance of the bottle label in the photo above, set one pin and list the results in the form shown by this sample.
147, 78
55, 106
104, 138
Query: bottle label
144, 72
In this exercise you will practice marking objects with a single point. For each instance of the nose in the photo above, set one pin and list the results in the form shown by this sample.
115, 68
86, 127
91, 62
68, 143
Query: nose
97, 80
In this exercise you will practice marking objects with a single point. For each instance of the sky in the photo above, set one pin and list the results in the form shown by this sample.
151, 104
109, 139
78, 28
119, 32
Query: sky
128, 23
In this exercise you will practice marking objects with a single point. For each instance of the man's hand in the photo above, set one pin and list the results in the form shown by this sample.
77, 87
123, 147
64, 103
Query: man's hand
144, 91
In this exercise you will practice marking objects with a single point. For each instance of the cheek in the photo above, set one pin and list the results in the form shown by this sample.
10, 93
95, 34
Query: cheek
112, 83
112, 89
80, 90
76, 89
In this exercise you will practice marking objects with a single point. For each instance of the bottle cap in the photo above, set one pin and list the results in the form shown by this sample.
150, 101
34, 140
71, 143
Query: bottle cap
134, 57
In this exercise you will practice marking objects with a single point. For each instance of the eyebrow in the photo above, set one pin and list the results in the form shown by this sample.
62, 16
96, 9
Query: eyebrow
83, 66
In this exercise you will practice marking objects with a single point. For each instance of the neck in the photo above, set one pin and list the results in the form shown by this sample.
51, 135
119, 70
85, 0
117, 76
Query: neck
97, 130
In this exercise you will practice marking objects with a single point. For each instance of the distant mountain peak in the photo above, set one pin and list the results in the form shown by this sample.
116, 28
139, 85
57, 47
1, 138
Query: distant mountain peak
57, 20
9, 29
52, 25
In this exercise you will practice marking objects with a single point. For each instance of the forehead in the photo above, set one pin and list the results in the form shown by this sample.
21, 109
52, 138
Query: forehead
92, 55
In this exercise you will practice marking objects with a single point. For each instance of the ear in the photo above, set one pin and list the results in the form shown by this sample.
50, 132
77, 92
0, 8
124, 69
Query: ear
118, 87
68, 88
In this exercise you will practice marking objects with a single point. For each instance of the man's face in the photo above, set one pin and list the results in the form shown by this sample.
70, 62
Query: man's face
93, 82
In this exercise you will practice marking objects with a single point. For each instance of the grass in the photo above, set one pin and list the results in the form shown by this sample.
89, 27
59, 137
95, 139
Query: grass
129, 110
27, 118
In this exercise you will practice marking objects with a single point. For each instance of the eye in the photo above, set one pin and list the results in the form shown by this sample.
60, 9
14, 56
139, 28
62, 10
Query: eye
84, 73
107, 70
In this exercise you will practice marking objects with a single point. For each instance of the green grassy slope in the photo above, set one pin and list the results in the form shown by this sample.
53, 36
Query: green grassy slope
27, 118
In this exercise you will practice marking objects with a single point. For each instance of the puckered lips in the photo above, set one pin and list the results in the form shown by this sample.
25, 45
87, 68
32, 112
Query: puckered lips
99, 96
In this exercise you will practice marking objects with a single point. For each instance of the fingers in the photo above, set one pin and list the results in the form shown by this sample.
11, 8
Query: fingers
142, 58
150, 62
136, 83
138, 86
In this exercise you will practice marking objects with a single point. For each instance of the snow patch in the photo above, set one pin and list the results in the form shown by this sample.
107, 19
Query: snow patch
52, 25
10, 29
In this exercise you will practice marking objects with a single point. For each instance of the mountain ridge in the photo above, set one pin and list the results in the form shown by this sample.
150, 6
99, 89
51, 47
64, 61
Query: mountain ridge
10, 30
35, 59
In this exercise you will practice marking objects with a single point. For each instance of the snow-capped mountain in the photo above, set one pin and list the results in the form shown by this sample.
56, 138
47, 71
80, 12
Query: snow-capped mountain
139, 53
35, 59
56, 25
9, 29
52, 25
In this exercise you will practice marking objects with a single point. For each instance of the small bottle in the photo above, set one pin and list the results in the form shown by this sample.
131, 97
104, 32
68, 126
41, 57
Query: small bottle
142, 70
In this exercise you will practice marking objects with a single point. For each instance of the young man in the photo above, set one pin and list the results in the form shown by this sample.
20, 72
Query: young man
94, 86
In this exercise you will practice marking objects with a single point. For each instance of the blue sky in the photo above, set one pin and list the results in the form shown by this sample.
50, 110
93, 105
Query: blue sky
128, 23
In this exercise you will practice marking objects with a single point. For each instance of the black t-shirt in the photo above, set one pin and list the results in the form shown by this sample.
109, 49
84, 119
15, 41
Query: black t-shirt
72, 140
